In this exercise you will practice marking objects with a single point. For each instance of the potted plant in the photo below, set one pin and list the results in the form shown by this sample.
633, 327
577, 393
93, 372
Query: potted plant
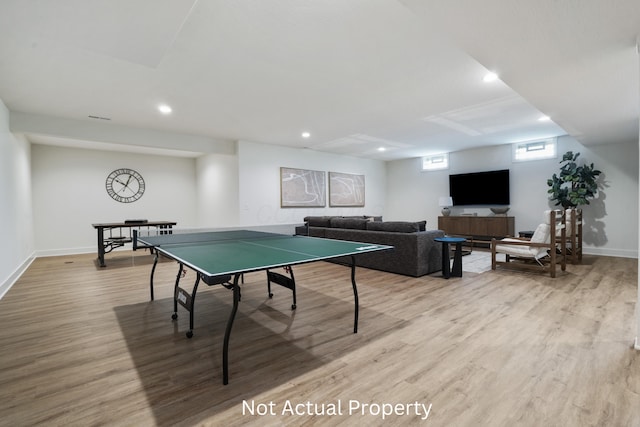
575, 185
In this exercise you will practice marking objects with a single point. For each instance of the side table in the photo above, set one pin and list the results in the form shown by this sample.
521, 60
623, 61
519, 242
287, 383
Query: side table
447, 271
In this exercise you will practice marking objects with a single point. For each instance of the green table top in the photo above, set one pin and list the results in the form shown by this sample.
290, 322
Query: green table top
448, 239
241, 251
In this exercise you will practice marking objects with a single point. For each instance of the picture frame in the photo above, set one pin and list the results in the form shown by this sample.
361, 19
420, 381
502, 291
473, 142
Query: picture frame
302, 188
346, 190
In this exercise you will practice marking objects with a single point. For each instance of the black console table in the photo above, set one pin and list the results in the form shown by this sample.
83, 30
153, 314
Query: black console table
110, 234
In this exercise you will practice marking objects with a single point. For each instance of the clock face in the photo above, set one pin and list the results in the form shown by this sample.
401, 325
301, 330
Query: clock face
125, 185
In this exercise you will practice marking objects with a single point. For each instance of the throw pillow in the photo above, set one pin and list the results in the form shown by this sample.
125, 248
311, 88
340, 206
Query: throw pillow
352, 223
393, 226
318, 221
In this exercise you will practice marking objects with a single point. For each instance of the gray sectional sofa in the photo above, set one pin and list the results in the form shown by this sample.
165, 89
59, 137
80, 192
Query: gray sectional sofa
414, 254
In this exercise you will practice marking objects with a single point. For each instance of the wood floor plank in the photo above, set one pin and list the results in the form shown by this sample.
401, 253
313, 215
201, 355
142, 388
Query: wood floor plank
83, 345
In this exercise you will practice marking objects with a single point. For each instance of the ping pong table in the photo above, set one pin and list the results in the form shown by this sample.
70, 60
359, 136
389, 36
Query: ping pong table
217, 256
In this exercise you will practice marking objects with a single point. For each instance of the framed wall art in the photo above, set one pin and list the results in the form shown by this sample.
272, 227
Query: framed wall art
302, 188
346, 190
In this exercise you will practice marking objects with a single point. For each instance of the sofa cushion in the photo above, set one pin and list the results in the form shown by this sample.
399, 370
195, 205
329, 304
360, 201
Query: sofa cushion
318, 221
351, 223
394, 226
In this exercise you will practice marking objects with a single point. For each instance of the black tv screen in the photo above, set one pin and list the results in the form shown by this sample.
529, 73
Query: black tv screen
480, 188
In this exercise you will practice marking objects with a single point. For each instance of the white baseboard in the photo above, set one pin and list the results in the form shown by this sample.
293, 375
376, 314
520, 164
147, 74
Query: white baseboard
621, 253
68, 251
13, 277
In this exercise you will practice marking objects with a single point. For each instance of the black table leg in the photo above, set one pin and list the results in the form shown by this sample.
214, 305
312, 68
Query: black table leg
101, 247
227, 332
446, 263
176, 291
457, 261
355, 294
153, 270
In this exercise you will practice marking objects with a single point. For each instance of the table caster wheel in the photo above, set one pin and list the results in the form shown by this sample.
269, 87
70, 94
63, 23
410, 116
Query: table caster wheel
174, 316
270, 295
189, 334
293, 306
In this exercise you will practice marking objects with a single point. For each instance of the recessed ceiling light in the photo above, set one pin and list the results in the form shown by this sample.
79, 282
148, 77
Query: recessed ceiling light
382, 149
306, 134
490, 77
544, 119
164, 109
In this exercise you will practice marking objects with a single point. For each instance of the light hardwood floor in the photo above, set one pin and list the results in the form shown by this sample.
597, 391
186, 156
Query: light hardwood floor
80, 345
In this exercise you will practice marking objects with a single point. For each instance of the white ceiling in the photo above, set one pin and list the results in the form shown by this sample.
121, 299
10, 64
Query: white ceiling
357, 74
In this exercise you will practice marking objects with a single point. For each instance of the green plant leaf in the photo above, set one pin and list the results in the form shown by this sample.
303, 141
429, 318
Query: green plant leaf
575, 184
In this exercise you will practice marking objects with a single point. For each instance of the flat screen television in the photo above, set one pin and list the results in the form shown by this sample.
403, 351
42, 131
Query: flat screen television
480, 188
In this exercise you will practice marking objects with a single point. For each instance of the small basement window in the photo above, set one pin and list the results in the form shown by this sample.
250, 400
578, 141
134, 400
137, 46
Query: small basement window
439, 161
535, 150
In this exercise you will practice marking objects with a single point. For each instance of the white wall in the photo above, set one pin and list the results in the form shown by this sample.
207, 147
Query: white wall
217, 190
259, 182
637, 343
16, 225
214, 190
611, 225
69, 194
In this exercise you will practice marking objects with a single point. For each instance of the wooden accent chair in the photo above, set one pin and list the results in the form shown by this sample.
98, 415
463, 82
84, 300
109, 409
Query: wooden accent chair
540, 252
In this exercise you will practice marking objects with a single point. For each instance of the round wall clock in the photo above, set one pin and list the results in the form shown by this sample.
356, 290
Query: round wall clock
125, 185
